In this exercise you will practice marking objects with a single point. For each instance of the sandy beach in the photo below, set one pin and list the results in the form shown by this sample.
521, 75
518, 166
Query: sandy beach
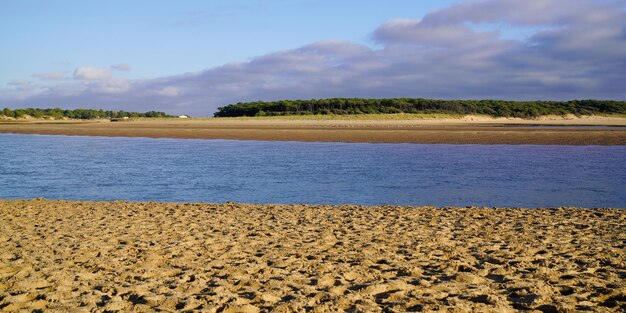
462, 130
121, 256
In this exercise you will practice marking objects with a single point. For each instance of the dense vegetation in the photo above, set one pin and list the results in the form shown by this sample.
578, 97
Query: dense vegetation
76, 114
499, 108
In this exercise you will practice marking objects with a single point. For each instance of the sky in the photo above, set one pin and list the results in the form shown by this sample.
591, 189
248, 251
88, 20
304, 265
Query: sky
190, 57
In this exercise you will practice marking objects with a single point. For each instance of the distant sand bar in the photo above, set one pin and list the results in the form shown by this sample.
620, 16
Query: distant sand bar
466, 130
123, 256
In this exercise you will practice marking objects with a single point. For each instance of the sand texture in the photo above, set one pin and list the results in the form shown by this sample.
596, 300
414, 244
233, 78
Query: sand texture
466, 130
120, 256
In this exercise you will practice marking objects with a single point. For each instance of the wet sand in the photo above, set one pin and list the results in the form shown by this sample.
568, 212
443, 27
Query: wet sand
468, 130
120, 256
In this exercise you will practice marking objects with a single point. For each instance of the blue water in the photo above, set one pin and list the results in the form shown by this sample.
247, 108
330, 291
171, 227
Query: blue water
142, 169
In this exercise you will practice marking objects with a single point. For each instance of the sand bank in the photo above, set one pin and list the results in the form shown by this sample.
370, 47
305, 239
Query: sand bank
466, 130
120, 256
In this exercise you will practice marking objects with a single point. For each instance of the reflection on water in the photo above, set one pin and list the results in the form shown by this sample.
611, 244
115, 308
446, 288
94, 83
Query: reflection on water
142, 169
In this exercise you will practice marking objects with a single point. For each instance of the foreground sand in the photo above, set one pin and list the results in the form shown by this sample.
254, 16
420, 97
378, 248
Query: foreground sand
120, 256
466, 130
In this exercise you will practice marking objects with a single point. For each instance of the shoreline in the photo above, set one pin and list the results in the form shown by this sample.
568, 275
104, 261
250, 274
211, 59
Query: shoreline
62, 255
466, 130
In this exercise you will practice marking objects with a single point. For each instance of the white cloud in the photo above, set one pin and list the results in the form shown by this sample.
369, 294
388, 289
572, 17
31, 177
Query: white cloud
92, 73
113, 86
168, 91
51, 75
20, 82
21, 90
121, 67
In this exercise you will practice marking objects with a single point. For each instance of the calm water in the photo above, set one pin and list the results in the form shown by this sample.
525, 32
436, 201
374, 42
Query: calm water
137, 169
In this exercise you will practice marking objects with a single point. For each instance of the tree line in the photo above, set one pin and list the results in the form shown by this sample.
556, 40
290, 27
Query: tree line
498, 108
84, 114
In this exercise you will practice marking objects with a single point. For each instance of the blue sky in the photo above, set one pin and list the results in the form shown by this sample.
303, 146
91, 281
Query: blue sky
159, 38
193, 56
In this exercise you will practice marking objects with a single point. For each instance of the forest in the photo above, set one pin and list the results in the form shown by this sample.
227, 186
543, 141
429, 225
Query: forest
497, 108
83, 114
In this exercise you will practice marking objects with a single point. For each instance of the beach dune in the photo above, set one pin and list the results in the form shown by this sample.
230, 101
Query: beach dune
124, 256
462, 130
